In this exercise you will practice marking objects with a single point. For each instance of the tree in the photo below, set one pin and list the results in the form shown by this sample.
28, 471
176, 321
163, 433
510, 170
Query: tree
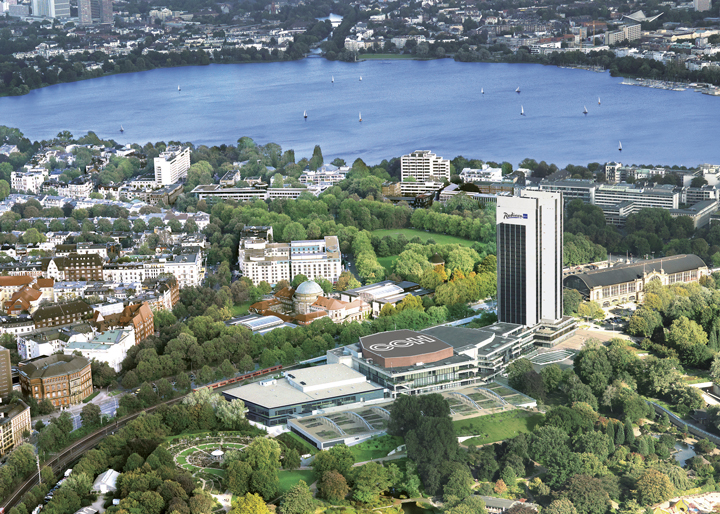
588, 495
297, 280
561, 506
516, 371
629, 433
653, 487
371, 480
690, 340
458, 487
551, 376
90, 415
32, 236
338, 458
333, 486
130, 381
231, 414
249, 504
470, 505
4, 189
590, 310
238, 476
298, 500
291, 459
500, 487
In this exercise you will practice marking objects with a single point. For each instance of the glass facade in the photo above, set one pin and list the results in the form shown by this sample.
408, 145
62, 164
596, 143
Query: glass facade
511, 249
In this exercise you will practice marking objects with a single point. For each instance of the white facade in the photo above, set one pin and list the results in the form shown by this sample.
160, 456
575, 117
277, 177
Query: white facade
187, 268
530, 257
420, 188
29, 181
172, 165
110, 346
261, 261
484, 174
422, 165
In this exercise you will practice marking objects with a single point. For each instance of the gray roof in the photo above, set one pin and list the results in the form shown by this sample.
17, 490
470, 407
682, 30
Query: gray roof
53, 366
461, 338
629, 272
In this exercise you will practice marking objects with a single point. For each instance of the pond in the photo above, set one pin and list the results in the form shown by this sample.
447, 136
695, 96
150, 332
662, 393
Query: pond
683, 453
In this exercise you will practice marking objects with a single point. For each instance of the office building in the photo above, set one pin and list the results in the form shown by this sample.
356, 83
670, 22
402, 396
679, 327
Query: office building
51, 8
63, 379
95, 11
572, 189
530, 257
702, 5
663, 197
5, 373
172, 165
14, 424
424, 166
626, 282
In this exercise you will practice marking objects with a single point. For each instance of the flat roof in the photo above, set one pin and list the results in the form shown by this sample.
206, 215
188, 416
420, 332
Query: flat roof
327, 374
402, 343
462, 338
280, 392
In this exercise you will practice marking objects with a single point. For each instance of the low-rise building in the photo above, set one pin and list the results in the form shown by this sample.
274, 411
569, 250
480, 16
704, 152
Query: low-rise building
47, 316
626, 282
74, 267
139, 316
63, 379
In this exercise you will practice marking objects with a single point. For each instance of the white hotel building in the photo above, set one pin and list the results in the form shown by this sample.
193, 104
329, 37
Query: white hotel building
272, 262
172, 165
423, 165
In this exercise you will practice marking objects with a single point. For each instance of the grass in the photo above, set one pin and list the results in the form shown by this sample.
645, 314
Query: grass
89, 398
240, 310
410, 233
375, 448
497, 427
291, 478
388, 262
115, 392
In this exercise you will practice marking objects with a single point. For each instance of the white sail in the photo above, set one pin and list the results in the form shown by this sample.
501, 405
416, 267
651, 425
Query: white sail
360, 116
122, 129
304, 114
333, 79
178, 87
518, 89
585, 111
598, 100
482, 91
620, 145
522, 111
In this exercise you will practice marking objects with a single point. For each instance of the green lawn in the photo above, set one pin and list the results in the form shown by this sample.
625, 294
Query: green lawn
410, 233
241, 310
497, 427
387, 262
291, 478
375, 448
89, 398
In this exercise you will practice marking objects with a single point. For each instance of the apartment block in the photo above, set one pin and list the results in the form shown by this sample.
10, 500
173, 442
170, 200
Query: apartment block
14, 423
172, 165
423, 165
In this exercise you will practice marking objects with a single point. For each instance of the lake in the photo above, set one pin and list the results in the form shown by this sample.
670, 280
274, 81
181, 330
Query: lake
406, 105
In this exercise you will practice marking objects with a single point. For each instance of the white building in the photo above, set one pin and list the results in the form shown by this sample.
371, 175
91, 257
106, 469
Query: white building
29, 181
484, 174
172, 165
530, 257
51, 8
188, 269
261, 261
110, 346
423, 165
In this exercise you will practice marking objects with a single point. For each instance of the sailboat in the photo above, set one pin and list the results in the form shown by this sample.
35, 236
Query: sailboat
360, 79
332, 80
122, 129
305, 114
598, 100
585, 111
360, 117
482, 91
620, 146
518, 90
178, 87
522, 111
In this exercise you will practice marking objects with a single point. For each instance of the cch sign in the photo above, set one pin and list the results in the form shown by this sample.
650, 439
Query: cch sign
401, 343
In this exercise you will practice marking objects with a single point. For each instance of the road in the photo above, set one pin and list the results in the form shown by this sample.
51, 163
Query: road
108, 406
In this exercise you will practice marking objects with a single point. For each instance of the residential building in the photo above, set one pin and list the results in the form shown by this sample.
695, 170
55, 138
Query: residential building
626, 282
172, 165
139, 316
325, 174
702, 5
110, 346
391, 189
161, 293
188, 269
9, 285
5, 373
530, 257
415, 188
28, 181
95, 11
63, 379
14, 423
484, 174
423, 165
62, 314
74, 267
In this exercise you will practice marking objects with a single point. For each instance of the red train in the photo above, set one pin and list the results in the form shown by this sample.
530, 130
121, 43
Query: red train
252, 374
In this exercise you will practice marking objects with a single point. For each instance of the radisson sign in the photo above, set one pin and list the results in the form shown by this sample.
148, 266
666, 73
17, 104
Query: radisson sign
512, 215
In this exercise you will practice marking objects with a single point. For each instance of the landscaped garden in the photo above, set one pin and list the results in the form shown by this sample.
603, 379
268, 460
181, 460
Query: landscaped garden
375, 448
410, 233
497, 427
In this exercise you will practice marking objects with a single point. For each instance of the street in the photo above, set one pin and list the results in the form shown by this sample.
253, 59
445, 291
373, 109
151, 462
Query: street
108, 406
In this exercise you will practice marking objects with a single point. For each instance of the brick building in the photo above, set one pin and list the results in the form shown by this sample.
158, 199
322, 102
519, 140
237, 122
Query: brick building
138, 315
74, 267
63, 379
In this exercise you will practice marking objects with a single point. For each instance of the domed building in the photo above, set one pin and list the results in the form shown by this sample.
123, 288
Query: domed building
305, 295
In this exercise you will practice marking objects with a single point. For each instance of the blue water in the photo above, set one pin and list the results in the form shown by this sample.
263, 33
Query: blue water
405, 105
